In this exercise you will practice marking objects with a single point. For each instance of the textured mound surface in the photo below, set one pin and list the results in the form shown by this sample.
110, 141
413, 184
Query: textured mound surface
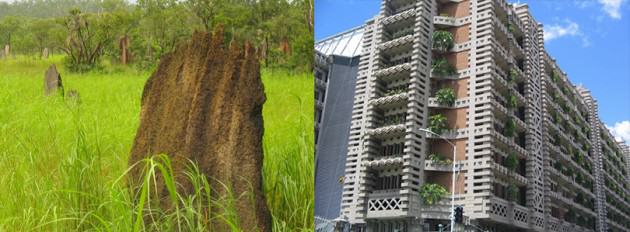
204, 103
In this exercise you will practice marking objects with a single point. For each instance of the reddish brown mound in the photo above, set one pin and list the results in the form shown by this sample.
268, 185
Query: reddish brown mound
204, 103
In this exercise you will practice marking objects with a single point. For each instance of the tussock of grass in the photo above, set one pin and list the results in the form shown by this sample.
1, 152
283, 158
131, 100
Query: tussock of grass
63, 165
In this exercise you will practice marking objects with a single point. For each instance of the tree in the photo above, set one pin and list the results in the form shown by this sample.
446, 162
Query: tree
509, 127
442, 41
446, 96
437, 123
512, 192
432, 193
87, 36
511, 162
8, 26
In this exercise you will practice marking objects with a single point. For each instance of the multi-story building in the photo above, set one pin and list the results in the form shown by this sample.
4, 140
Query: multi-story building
336, 60
530, 149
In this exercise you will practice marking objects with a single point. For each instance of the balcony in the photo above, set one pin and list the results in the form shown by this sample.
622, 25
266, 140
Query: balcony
438, 166
397, 45
503, 171
508, 212
393, 72
384, 162
387, 131
385, 204
390, 101
399, 18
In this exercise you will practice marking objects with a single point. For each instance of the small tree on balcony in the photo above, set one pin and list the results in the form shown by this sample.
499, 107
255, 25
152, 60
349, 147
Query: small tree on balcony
441, 66
445, 96
512, 192
437, 123
513, 74
513, 102
509, 127
511, 162
438, 159
443, 41
432, 193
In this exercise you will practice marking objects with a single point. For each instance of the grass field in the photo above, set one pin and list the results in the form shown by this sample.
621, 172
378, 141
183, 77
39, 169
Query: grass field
63, 164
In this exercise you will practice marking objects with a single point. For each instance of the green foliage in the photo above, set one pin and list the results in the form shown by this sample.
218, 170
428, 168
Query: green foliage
512, 192
68, 162
510, 126
511, 162
281, 29
513, 74
437, 123
438, 159
513, 102
445, 96
443, 40
441, 66
432, 193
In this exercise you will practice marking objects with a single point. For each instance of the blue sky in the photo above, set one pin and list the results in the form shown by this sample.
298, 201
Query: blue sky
590, 39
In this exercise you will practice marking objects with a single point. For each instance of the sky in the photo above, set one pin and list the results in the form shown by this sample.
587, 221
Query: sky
590, 40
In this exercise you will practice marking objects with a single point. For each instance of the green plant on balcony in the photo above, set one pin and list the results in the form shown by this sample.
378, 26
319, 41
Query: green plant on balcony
445, 96
512, 192
437, 123
558, 166
509, 127
511, 162
432, 193
513, 74
443, 41
441, 66
510, 27
513, 102
554, 76
579, 178
394, 91
438, 159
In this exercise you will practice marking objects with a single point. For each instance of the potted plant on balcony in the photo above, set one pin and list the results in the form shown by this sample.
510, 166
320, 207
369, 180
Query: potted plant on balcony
443, 41
441, 67
437, 123
511, 162
445, 96
513, 75
438, 159
513, 102
512, 192
432, 193
509, 127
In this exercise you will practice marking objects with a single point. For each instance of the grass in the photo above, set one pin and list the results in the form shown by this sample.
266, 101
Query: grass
64, 163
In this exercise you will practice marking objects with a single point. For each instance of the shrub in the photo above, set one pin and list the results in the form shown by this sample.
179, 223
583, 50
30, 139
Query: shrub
513, 74
512, 192
442, 41
441, 66
509, 127
437, 123
432, 193
513, 102
446, 96
438, 159
511, 162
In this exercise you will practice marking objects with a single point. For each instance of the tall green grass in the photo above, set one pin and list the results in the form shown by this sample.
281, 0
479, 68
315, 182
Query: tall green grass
63, 164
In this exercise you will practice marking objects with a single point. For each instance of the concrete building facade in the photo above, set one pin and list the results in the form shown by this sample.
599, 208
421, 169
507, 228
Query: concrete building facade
532, 154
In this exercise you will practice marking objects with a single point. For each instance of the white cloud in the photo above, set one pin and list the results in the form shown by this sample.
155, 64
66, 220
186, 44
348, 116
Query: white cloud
621, 131
569, 28
611, 7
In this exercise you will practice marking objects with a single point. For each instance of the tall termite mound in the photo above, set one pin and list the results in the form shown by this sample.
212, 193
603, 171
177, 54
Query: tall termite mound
204, 104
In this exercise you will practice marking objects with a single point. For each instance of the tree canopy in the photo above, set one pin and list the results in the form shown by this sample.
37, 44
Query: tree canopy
281, 29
